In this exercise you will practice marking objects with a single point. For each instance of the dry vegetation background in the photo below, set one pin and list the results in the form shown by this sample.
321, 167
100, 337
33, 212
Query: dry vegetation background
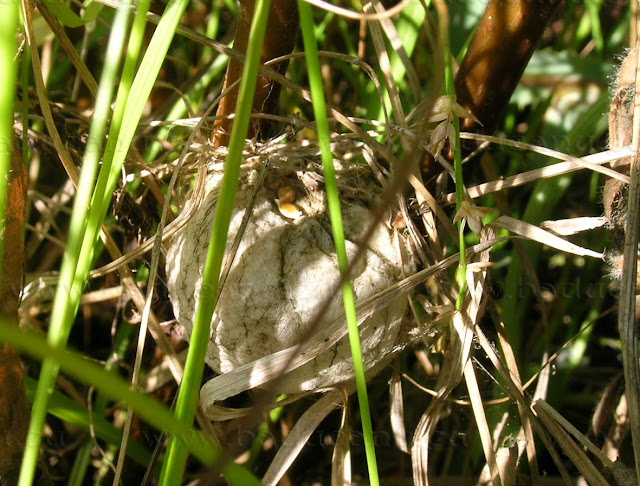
544, 350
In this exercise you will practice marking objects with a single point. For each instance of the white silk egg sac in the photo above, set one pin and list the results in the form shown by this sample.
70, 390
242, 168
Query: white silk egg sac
284, 270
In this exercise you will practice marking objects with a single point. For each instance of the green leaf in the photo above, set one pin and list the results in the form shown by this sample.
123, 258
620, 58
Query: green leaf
68, 17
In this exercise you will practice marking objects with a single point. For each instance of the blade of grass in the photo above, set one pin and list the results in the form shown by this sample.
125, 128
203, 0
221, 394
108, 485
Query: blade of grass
73, 413
481, 422
407, 28
68, 17
116, 388
176, 454
130, 102
333, 203
69, 289
300, 435
8, 66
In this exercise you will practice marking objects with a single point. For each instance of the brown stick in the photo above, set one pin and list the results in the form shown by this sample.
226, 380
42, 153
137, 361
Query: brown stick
280, 38
499, 51
14, 409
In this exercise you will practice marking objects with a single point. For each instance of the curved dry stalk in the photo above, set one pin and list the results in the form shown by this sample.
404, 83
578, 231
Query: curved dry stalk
579, 459
350, 14
481, 422
542, 173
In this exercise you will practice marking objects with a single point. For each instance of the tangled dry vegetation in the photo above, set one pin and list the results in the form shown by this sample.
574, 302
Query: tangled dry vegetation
507, 372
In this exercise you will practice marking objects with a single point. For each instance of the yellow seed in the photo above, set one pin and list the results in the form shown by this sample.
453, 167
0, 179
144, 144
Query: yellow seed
286, 194
289, 210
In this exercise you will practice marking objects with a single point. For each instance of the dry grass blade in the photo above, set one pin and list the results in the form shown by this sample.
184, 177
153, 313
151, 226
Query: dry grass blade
61, 149
569, 447
299, 436
542, 173
396, 413
392, 34
541, 236
349, 14
568, 227
385, 66
341, 460
524, 411
481, 422
564, 423
593, 162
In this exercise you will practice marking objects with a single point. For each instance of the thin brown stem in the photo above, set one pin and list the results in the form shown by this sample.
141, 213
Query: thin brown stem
280, 38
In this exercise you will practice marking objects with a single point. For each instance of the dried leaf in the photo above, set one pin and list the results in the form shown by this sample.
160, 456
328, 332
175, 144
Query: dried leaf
572, 226
557, 427
341, 460
484, 430
299, 436
535, 233
397, 412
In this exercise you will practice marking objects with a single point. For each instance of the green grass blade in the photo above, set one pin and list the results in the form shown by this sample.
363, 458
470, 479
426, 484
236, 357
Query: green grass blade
333, 202
68, 17
73, 413
71, 281
445, 45
127, 114
188, 395
115, 387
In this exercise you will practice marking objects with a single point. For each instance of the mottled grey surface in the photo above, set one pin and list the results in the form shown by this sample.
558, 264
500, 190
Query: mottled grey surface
283, 271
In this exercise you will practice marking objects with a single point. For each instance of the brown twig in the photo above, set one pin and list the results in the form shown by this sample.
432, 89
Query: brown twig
280, 38
499, 51
14, 409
